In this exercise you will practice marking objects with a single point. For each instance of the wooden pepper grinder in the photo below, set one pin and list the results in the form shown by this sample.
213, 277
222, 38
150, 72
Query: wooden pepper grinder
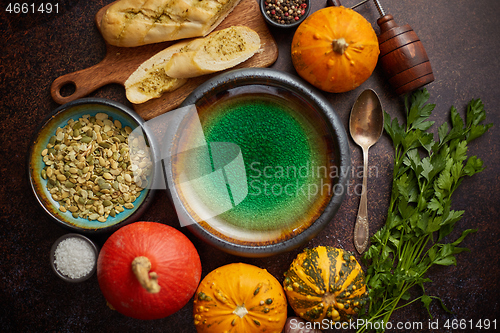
402, 54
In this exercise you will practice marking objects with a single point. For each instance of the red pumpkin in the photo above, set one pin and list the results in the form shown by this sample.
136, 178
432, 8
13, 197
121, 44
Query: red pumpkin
148, 270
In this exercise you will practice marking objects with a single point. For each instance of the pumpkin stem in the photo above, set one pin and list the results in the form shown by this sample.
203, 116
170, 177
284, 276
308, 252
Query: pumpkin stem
149, 281
240, 311
339, 45
330, 299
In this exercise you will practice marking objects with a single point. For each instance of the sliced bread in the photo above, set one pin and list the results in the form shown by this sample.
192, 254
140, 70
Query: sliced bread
218, 51
150, 80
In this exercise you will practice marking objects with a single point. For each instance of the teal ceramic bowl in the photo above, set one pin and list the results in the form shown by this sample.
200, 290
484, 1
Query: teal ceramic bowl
59, 118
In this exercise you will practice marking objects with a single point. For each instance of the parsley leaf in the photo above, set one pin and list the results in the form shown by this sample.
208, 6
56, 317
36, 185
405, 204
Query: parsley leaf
426, 174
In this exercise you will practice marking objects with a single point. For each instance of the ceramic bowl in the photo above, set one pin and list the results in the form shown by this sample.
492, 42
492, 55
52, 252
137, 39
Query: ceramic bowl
59, 118
53, 264
275, 24
291, 129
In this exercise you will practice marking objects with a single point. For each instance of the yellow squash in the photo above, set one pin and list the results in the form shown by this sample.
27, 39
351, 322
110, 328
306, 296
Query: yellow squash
325, 283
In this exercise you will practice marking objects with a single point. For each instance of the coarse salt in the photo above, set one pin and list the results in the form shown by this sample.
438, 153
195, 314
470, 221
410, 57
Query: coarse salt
74, 257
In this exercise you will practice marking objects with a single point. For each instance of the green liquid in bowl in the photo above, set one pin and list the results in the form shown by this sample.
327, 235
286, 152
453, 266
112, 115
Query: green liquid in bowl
287, 160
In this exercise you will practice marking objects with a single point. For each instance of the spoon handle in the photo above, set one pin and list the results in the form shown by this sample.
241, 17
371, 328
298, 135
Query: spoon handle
361, 226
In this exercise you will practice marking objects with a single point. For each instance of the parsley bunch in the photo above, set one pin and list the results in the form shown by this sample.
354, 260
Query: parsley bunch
426, 173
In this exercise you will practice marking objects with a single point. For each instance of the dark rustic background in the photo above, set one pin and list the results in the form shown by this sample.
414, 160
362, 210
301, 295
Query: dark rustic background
462, 41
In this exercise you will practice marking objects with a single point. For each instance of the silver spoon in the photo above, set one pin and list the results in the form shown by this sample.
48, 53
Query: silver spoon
366, 124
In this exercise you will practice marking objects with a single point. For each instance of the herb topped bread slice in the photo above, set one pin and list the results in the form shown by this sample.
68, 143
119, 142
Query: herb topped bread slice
150, 80
169, 69
130, 23
218, 51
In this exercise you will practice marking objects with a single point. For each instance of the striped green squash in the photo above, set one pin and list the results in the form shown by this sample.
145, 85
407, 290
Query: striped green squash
325, 283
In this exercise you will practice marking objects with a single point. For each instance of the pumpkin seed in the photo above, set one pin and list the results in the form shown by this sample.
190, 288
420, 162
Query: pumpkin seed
60, 136
105, 144
88, 167
120, 138
107, 176
127, 178
86, 139
105, 186
101, 116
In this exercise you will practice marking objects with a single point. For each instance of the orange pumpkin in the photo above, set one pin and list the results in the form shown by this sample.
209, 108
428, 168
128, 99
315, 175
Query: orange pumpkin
239, 298
335, 49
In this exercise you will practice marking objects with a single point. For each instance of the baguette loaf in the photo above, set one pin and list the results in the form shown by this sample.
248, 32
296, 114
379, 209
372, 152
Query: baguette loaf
150, 80
130, 23
218, 51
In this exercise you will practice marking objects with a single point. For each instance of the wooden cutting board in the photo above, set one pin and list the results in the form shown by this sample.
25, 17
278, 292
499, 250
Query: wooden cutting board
120, 62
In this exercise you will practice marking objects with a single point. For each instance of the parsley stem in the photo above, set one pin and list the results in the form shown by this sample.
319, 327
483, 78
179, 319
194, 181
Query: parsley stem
404, 249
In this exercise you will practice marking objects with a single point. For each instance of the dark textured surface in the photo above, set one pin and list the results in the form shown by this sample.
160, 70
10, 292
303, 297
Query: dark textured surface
461, 39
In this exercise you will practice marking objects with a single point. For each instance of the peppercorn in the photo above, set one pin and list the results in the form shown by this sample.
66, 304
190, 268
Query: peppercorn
285, 11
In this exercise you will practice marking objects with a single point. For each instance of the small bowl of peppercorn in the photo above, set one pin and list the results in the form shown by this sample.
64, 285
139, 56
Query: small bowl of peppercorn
285, 13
